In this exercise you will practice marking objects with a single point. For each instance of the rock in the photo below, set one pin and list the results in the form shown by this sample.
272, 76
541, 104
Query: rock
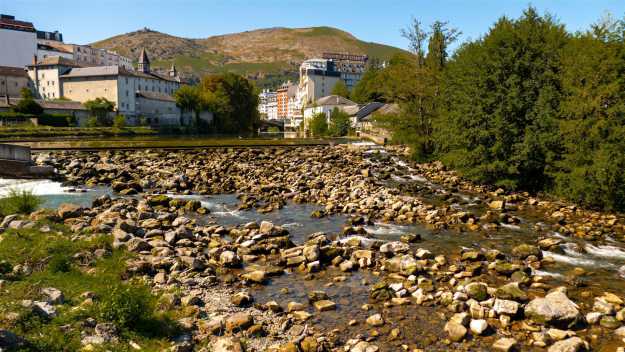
44, 309
363, 346
375, 320
511, 291
477, 290
311, 253
229, 258
266, 227
53, 295
505, 344
393, 248
573, 344
603, 306
8, 340
136, 244
525, 250
228, 344
257, 276
478, 326
191, 300
620, 332
381, 292
609, 322
507, 307
473, 256
215, 326
294, 306
301, 315
314, 296
497, 204
241, 299
455, 331
324, 305
238, 322
346, 265
405, 265
555, 309
68, 211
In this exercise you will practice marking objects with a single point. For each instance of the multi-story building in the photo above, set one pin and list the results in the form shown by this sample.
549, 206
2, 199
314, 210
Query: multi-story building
286, 97
134, 93
18, 42
45, 51
268, 104
317, 78
12, 81
351, 67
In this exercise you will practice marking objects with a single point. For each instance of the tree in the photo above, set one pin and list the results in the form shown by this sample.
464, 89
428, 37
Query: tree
234, 101
370, 87
27, 104
501, 96
100, 108
339, 123
340, 89
188, 99
318, 125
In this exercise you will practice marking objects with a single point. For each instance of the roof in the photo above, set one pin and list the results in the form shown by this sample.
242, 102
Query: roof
155, 96
53, 48
334, 100
9, 22
47, 104
143, 57
114, 70
56, 60
368, 109
13, 71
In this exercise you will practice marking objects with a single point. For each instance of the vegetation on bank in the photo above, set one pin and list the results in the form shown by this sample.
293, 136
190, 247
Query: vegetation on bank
28, 131
231, 98
527, 106
95, 287
19, 202
338, 125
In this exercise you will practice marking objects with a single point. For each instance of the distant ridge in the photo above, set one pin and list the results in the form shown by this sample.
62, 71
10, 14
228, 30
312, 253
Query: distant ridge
268, 55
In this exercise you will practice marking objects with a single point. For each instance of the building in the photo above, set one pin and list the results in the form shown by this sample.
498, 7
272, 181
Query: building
12, 81
317, 79
268, 104
18, 42
45, 76
135, 93
351, 67
45, 51
326, 105
44, 37
286, 97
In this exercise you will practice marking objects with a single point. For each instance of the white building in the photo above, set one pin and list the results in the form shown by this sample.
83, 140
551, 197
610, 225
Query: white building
45, 51
18, 42
268, 104
326, 105
317, 79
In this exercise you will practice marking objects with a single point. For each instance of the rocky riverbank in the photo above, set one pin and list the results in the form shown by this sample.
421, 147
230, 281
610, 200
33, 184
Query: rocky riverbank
253, 286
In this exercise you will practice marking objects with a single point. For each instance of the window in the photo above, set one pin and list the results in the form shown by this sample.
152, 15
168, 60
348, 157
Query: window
127, 94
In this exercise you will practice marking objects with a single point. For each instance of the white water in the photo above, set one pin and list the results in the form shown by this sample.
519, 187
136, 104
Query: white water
38, 187
605, 251
577, 261
387, 229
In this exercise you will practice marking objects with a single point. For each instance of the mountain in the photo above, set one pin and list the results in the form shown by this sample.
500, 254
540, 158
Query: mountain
267, 55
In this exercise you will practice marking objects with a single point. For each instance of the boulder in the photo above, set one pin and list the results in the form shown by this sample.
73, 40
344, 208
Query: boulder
455, 331
68, 211
525, 250
555, 309
8, 340
506, 307
238, 322
505, 344
324, 305
375, 320
511, 291
53, 295
477, 290
478, 326
228, 344
572, 344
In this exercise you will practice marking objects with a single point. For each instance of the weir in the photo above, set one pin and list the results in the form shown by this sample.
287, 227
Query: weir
15, 161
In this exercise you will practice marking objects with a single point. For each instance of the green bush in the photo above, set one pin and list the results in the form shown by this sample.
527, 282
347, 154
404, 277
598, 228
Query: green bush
318, 125
92, 122
59, 263
57, 120
19, 202
119, 121
127, 306
339, 123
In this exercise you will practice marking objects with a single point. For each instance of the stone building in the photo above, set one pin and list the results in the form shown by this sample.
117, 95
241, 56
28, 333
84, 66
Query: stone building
12, 81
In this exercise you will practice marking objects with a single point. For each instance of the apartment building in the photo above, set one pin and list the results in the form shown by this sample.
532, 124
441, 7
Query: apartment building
317, 79
12, 81
18, 42
351, 67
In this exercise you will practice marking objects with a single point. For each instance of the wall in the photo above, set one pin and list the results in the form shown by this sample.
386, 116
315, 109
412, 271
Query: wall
158, 112
42, 54
47, 82
12, 85
14, 152
83, 89
17, 47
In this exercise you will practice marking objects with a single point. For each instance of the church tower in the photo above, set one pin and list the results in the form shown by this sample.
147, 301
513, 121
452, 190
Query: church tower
173, 73
144, 62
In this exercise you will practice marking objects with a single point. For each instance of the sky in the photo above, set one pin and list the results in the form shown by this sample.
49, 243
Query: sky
86, 21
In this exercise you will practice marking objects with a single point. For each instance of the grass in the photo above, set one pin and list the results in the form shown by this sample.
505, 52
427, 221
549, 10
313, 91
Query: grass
60, 261
19, 202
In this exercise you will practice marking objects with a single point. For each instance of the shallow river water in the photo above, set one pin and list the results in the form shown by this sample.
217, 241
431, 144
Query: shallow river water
604, 262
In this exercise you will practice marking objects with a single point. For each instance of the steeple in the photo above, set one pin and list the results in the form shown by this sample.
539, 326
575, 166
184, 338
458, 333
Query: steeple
144, 62
173, 72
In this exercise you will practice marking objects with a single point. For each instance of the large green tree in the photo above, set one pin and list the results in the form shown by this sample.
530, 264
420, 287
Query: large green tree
27, 104
340, 89
100, 109
498, 121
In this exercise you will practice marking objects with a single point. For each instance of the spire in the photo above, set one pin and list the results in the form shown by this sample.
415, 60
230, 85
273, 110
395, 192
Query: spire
172, 71
144, 62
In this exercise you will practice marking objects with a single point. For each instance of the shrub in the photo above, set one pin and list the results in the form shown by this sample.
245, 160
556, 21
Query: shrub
19, 202
318, 125
339, 123
119, 121
126, 306
59, 263
92, 122
27, 104
57, 120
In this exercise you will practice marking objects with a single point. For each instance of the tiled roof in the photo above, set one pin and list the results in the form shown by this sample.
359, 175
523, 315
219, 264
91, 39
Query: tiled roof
96, 71
334, 100
47, 104
13, 71
155, 96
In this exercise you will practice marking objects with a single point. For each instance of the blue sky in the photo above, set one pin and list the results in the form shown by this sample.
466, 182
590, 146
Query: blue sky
85, 21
